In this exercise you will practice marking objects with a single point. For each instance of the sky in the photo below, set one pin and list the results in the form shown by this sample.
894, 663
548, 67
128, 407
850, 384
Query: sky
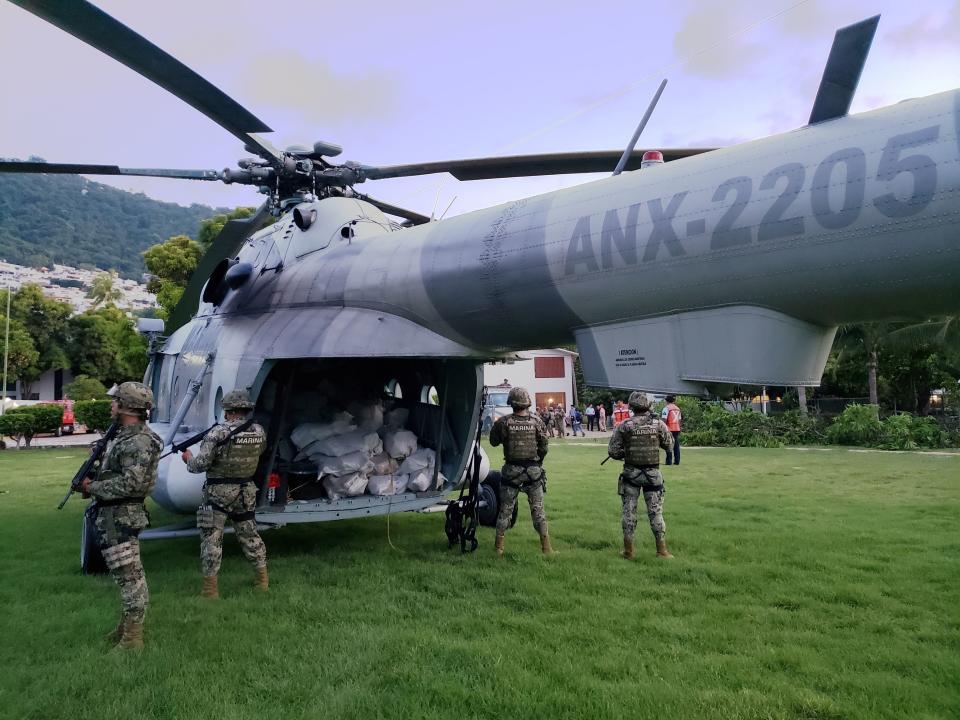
425, 80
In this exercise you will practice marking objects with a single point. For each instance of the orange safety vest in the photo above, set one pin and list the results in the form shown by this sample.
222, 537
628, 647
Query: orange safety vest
673, 418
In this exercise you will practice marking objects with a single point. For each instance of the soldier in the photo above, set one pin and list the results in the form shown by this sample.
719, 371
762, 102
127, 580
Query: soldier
524, 440
636, 441
558, 421
127, 474
229, 454
547, 418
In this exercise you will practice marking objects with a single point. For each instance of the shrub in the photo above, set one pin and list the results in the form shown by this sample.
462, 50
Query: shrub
795, 428
41, 419
699, 438
95, 414
908, 432
856, 425
19, 426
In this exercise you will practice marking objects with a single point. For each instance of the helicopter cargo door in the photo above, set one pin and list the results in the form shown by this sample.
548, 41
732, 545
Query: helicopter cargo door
354, 437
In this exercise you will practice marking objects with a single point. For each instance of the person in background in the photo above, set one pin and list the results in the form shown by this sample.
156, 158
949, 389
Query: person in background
559, 422
576, 421
602, 415
672, 416
591, 413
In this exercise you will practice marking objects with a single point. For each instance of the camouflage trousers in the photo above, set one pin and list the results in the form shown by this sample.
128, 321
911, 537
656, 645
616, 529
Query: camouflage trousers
630, 496
221, 502
508, 500
120, 546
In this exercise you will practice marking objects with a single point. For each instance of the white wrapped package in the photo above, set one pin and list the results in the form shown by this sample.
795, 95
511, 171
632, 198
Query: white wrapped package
354, 441
369, 418
399, 443
340, 486
422, 458
396, 419
383, 464
387, 484
358, 461
421, 481
308, 433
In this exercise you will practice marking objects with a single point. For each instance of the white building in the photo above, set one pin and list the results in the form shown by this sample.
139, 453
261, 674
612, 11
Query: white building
48, 386
547, 374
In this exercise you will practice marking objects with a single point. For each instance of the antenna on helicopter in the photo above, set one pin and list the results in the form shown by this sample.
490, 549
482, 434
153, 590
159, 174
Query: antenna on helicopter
643, 123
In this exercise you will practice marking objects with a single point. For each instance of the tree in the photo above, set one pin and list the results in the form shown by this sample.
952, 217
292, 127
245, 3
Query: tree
84, 387
171, 264
871, 337
102, 291
23, 356
106, 347
45, 321
210, 228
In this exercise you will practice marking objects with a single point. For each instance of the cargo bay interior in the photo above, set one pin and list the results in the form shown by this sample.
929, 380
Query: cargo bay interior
343, 427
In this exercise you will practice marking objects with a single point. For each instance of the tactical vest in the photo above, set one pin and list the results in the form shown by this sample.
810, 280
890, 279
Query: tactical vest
520, 444
239, 457
643, 441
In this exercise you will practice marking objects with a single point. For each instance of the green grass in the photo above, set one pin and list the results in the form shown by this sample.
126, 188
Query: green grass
817, 584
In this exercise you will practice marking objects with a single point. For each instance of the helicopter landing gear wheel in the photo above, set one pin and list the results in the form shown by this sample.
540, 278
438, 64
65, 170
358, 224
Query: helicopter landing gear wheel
490, 496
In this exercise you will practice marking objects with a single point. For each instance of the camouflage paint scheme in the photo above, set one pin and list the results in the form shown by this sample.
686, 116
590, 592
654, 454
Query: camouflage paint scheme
734, 266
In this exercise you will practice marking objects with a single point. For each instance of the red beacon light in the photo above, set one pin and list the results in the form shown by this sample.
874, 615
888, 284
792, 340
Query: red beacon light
651, 157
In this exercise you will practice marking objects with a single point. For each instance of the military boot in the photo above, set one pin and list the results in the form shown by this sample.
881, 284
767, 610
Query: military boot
662, 549
115, 635
628, 551
132, 636
210, 589
498, 545
545, 547
261, 581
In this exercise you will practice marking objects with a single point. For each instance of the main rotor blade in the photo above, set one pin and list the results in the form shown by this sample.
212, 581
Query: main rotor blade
110, 36
415, 218
848, 54
79, 169
526, 165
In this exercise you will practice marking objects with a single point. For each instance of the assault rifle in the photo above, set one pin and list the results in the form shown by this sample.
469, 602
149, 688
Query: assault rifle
604, 462
189, 442
194, 439
87, 468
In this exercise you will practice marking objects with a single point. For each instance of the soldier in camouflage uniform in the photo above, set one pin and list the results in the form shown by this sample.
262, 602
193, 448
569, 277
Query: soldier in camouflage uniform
127, 474
524, 440
229, 454
636, 441
558, 421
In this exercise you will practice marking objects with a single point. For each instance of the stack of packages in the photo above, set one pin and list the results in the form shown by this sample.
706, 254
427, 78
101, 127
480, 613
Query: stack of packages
366, 450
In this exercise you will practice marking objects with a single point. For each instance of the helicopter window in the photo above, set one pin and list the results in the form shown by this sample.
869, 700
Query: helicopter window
217, 404
392, 389
429, 395
162, 407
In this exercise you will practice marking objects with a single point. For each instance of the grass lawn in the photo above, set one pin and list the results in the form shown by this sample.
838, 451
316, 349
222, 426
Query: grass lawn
806, 584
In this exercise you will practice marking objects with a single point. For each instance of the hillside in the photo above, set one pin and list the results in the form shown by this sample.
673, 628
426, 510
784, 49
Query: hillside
71, 220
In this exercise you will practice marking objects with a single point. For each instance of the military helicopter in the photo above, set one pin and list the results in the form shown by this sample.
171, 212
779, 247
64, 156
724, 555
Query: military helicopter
714, 268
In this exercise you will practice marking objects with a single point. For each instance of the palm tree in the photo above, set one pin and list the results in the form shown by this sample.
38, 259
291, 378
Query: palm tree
102, 290
871, 336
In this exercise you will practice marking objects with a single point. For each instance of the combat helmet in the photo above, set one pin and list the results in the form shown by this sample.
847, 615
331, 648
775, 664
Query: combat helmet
132, 396
237, 400
518, 398
638, 402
